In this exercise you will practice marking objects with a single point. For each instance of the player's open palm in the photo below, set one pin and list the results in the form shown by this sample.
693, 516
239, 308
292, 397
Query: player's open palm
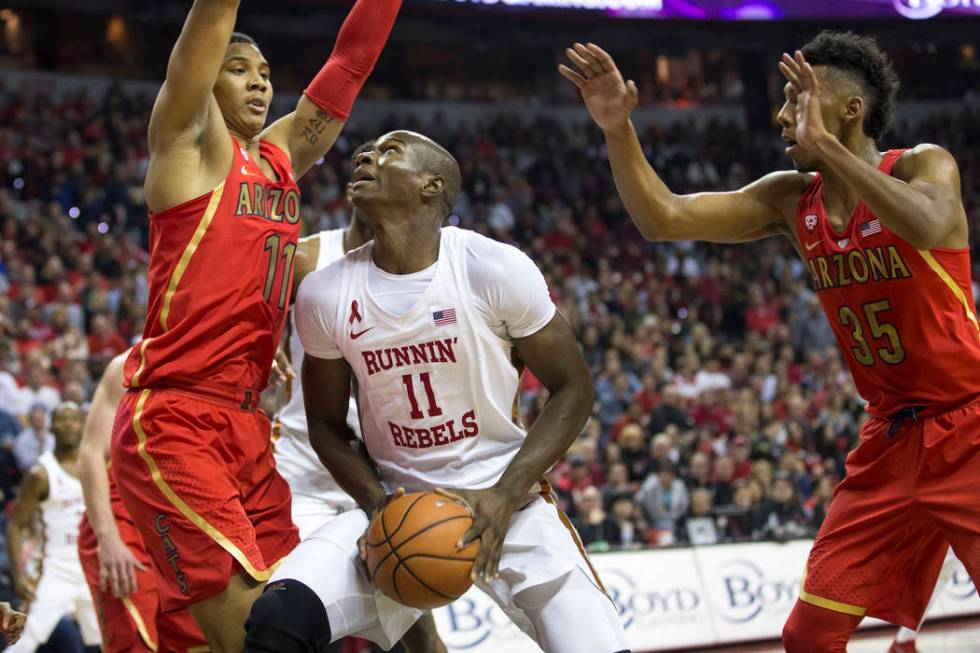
491, 509
805, 92
117, 567
609, 99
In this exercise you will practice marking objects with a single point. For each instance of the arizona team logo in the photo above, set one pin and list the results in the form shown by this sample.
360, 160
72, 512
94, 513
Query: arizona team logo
810, 222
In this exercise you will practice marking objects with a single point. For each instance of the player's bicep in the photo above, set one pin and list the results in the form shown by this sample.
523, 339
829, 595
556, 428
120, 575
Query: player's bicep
314, 320
326, 390
934, 173
554, 357
33, 490
186, 96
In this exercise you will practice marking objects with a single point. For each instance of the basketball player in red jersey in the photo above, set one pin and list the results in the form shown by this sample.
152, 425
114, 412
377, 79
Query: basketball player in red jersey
114, 559
884, 237
190, 450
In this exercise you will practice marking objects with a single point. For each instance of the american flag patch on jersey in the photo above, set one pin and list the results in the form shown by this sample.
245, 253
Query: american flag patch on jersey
871, 228
444, 317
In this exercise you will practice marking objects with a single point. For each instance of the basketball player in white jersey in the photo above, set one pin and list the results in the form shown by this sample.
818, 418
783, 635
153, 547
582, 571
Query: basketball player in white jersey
427, 320
316, 496
52, 491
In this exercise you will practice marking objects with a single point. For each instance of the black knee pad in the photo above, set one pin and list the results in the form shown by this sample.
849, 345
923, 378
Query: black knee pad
287, 618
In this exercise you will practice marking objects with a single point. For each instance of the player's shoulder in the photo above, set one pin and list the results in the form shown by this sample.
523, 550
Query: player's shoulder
322, 285
924, 158
476, 243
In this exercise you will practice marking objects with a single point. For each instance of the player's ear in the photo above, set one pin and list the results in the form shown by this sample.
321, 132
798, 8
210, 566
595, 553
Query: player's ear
433, 187
854, 107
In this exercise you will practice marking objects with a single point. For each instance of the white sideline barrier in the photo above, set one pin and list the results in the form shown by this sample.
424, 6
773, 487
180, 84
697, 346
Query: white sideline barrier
676, 598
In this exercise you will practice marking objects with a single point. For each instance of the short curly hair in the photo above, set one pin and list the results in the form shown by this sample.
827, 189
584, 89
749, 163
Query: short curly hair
860, 59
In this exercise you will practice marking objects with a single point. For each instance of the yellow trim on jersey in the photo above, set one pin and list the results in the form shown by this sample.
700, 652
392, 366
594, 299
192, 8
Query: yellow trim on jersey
185, 258
938, 268
137, 618
828, 604
134, 381
185, 509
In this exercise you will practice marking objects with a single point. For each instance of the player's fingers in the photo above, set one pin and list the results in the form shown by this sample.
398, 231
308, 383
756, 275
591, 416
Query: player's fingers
131, 582
602, 57
474, 532
589, 59
6, 615
449, 494
572, 76
791, 77
809, 77
634, 93
583, 65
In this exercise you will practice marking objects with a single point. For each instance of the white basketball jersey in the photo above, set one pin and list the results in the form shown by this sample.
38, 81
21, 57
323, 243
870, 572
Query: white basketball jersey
295, 458
436, 385
62, 511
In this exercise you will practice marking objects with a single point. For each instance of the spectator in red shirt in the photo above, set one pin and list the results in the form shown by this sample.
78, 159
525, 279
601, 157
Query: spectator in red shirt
104, 342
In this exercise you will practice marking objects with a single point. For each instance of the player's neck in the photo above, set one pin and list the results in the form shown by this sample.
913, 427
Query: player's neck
839, 196
66, 454
356, 234
406, 247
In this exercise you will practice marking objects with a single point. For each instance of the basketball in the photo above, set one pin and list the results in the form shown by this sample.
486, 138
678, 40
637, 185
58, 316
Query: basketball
411, 550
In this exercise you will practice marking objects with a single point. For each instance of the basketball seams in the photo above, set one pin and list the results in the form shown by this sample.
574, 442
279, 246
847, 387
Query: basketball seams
393, 551
384, 526
401, 563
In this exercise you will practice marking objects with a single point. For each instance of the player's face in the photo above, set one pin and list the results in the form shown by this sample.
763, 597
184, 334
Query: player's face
66, 424
389, 173
244, 89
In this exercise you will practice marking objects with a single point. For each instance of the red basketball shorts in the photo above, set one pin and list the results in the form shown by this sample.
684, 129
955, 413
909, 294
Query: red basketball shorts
199, 480
905, 499
135, 624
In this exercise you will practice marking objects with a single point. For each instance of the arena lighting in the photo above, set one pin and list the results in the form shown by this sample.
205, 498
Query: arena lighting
921, 9
602, 5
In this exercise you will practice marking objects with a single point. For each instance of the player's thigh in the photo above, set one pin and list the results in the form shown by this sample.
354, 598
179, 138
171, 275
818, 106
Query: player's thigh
180, 483
222, 617
328, 564
950, 477
265, 495
571, 615
311, 512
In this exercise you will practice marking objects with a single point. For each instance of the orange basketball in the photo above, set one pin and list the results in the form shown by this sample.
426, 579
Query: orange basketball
411, 550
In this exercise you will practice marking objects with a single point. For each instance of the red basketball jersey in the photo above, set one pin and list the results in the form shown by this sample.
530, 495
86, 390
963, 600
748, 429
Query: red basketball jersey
904, 318
219, 280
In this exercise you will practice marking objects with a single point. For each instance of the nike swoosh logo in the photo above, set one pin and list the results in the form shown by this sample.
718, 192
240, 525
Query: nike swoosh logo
247, 173
355, 336
810, 246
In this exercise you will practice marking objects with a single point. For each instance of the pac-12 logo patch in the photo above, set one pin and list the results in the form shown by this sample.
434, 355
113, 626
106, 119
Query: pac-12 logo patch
810, 222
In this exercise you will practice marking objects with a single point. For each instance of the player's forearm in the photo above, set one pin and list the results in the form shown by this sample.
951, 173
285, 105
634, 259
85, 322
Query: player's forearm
552, 433
350, 467
359, 43
15, 539
95, 491
908, 212
645, 196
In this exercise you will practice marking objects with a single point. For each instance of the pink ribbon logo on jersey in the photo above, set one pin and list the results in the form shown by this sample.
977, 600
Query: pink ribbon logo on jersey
355, 314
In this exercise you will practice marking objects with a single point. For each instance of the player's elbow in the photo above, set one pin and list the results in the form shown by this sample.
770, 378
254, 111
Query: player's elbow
654, 221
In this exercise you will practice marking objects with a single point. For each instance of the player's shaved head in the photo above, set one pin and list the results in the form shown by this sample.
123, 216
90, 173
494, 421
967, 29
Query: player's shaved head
436, 160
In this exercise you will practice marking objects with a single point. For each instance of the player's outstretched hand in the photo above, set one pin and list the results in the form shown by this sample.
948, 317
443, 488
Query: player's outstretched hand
609, 99
491, 509
805, 91
11, 622
117, 567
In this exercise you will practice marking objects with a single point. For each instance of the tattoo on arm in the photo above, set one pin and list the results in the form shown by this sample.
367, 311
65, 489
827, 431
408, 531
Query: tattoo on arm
316, 125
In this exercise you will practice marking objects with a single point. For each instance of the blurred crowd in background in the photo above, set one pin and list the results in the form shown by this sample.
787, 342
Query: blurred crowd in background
723, 408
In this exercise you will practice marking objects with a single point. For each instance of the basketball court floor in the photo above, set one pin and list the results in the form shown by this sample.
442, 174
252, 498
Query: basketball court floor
954, 636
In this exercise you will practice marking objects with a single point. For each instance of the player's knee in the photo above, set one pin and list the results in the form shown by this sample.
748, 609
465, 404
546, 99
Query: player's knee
811, 629
287, 618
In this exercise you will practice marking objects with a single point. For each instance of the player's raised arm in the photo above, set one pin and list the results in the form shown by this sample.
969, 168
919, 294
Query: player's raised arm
758, 210
186, 99
323, 108
117, 565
